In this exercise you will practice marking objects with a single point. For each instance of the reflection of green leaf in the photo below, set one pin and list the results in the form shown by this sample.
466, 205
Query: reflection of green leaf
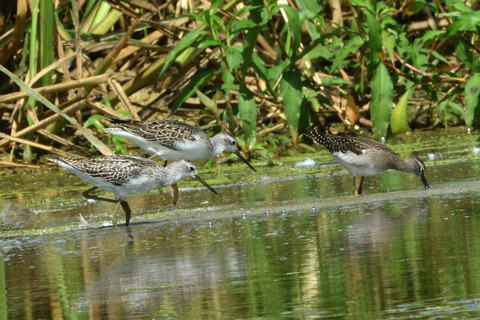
399, 117
381, 104
472, 92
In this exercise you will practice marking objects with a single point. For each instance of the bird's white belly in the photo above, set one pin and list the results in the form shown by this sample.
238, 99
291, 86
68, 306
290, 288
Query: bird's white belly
193, 150
139, 185
358, 165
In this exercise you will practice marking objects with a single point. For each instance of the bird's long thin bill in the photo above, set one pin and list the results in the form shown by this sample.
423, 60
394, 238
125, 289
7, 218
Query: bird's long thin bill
244, 160
205, 184
424, 180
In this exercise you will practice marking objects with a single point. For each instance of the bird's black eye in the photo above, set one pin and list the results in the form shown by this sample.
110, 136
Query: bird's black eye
234, 142
191, 168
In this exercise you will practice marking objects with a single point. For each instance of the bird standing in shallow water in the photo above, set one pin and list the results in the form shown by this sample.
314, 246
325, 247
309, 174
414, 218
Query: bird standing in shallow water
170, 139
124, 175
363, 157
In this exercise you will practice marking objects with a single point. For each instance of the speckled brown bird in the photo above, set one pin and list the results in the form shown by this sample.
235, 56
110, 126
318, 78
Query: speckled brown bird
124, 175
363, 157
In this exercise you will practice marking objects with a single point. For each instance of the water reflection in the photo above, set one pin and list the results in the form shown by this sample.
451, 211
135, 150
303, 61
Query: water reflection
376, 260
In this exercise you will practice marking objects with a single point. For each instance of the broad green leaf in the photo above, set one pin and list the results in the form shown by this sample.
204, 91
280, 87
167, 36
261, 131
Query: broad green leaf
209, 103
308, 9
291, 92
295, 28
472, 92
467, 55
234, 58
187, 41
415, 6
242, 25
216, 4
399, 117
247, 110
467, 22
352, 46
197, 82
208, 42
367, 4
261, 70
336, 82
317, 51
381, 103
374, 44
458, 5
252, 35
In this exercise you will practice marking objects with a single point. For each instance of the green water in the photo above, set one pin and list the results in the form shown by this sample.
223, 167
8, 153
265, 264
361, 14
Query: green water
286, 243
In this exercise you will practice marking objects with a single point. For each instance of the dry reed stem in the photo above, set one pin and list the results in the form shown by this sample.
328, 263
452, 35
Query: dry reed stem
64, 86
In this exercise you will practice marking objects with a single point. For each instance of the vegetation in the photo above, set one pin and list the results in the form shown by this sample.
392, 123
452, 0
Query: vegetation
264, 70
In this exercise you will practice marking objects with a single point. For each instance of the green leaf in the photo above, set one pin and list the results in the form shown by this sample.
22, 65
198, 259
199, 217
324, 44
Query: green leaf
209, 103
197, 81
250, 39
242, 25
352, 46
381, 103
374, 44
295, 28
415, 7
335, 81
465, 22
472, 92
187, 41
261, 70
234, 58
291, 92
308, 9
367, 4
467, 55
399, 117
94, 120
247, 111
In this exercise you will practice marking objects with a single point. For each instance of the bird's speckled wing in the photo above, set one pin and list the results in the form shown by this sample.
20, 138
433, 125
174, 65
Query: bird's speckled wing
342, 144
166, 132
113, 169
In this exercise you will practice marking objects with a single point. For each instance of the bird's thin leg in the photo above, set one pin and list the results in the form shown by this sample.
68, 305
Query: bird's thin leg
87, 195
123, 203
128, 211
175, 194
357, 187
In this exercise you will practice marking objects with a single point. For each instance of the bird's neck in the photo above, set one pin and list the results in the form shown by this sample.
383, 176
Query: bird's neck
406, 165
170, 176
217, 145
